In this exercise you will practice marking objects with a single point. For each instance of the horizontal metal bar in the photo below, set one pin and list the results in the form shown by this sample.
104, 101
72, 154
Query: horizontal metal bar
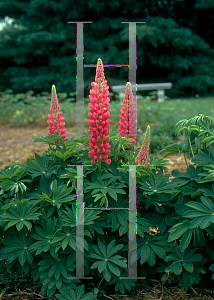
107, 208
94, 65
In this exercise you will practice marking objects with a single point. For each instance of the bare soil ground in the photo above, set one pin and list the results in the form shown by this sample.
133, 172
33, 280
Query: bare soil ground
16, 145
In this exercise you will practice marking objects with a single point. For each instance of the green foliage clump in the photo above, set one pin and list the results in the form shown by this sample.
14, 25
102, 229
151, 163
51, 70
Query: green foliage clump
38, 214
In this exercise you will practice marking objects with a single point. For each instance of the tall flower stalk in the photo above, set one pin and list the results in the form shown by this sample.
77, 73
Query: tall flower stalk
144, 151
99, 114
56, 120
128, 115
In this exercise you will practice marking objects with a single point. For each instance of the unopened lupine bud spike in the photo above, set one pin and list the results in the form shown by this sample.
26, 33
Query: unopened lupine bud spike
99, 61
53, 89
143, 154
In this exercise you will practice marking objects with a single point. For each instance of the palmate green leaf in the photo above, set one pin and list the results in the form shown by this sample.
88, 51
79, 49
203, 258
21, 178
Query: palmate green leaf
64, 154
201, 213
10, 172
105, 187
122, 284
70, 294
148, 248
160, 186
107, 262
67, 237
70, 173
58, 262
59, 195
49, 138
180, 260
92, 185
43, 236
17, 183
158, 162
17, 246
69, 217
43, 187
20, 214
46, 266
39, 166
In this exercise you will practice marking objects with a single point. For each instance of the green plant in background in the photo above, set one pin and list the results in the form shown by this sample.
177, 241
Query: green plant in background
199, 141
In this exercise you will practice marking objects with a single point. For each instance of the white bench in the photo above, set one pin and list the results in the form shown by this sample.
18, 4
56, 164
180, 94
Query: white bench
159, 87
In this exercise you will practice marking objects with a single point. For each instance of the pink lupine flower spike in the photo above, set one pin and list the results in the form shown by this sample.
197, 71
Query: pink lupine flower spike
56, 124
128, 115
99, 114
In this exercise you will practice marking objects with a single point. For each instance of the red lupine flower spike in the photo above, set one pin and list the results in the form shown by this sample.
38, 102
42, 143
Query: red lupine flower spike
56, 124
128, 115
99, 114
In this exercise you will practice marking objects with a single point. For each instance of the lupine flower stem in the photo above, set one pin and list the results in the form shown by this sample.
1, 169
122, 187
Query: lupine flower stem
99, 165
185, 159
191, 146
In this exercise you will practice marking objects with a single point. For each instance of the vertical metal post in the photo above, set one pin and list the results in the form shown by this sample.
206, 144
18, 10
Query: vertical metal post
80, 128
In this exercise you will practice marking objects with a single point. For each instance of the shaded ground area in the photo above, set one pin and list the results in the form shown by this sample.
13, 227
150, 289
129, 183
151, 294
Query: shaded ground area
146, 290
16, 145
